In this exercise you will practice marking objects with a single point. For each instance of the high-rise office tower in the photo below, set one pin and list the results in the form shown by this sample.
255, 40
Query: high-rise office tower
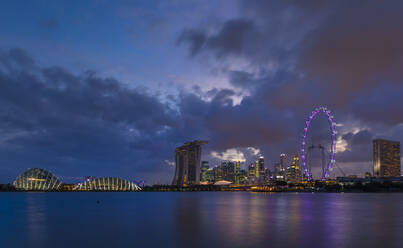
386, 158
210, 175
277, 172
283, 162
257, 169
252, 170
231, 171
225, 170
238, 172
203, 171
187, 158
218, 174
243, 177
260, 167
293, 174
267, 175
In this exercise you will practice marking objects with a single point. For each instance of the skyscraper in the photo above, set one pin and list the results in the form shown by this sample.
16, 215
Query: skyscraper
243, 176
252, 170
267, 175
293, 174
238, 172
187, 158
231, 171
203, 171
218, 174
260, 167
225, 170
283, 163
386, 158
277, 172
210, 175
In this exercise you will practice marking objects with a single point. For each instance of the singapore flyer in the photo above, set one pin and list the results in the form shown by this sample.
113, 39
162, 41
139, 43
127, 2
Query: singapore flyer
327, 170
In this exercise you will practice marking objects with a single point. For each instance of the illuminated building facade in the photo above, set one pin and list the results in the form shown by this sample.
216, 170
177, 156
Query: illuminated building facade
260, 168
218, 173
386, 161
203, 171
293, 173
283, 165
228, 171
107, 184
187, 159
267, 175
243, 176
210, 175
278, 173
231, 172
237, 172
37, 179
252, 170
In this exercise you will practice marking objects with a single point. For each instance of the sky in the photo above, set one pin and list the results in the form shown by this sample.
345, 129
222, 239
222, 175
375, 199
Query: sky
110, 88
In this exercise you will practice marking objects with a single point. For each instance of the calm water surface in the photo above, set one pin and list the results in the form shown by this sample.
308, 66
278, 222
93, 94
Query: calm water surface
204, 219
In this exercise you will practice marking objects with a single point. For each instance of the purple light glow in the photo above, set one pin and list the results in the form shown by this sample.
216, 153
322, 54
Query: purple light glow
333, 136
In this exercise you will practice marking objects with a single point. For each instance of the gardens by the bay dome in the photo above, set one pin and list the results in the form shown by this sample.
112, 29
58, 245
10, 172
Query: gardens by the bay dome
107, 184
37, 179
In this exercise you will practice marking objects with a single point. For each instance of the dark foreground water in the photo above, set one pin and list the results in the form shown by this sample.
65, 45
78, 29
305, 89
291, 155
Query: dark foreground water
205, 219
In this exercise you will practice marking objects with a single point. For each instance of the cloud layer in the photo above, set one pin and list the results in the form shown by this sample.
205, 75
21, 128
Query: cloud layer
280, 60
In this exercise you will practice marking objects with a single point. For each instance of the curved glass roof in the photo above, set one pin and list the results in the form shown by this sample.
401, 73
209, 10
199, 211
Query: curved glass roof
37, 179
107, 184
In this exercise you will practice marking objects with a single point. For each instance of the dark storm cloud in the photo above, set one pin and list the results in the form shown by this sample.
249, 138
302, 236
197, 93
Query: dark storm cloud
228, 126
53, 95
15, 60
195, 38
382, 104
362, 137
359, 148
237, 127
60, 120
358, 47
298, 55
85, 124
304, 54
246, 80
236, 37
336, 49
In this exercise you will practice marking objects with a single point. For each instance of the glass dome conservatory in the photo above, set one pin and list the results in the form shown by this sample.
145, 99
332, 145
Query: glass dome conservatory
37, 179
107, 184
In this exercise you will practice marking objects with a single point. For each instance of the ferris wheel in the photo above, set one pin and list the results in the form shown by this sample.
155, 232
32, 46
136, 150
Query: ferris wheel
326, 171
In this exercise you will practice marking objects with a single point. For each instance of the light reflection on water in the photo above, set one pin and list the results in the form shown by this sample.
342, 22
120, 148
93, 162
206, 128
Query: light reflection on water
203, 219
36, 219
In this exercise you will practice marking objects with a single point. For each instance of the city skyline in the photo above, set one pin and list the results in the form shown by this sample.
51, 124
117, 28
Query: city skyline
202, 123
111, 89
191, 171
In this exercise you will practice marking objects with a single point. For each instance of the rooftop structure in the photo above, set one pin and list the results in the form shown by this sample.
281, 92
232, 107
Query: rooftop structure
187, 158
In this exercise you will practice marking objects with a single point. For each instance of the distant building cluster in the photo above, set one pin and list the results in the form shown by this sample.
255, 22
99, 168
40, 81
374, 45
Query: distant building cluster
190, 170
255, 174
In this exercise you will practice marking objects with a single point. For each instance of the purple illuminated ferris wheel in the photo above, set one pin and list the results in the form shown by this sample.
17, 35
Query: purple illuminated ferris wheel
324, 110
